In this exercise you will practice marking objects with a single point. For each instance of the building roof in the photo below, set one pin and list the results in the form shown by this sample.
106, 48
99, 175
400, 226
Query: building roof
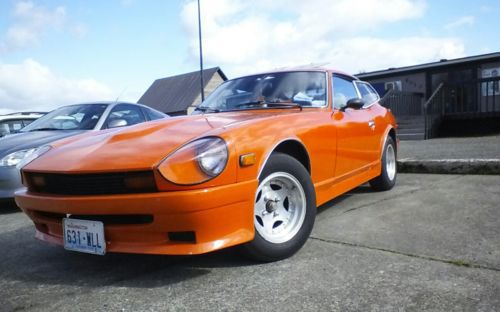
442, 63
177, 93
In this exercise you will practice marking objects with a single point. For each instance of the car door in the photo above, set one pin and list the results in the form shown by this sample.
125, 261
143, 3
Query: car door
356, 138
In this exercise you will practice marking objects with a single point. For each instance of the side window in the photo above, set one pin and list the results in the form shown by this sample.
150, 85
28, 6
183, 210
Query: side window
152, 114
130, 114
10, 126
343, 91
27, 122
4, 129
368, 94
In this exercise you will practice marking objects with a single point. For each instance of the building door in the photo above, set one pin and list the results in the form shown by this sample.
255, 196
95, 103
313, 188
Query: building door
460, 90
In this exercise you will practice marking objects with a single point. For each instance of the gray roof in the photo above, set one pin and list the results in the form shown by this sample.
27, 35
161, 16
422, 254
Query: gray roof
493, 57
177, 93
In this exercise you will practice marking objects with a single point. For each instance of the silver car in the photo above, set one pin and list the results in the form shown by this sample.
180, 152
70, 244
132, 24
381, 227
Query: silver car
13, 123
61, 123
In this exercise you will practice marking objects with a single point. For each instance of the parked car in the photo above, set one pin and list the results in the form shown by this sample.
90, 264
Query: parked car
13, 123
250, 168
61, 123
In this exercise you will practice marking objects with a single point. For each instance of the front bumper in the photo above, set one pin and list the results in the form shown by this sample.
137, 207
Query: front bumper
220, 217
10, 182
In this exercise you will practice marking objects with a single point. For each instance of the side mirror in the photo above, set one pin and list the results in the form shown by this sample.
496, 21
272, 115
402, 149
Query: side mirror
355, 103
115, 123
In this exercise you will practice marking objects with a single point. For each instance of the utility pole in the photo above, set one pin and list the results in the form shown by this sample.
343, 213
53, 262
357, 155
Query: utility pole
201, 55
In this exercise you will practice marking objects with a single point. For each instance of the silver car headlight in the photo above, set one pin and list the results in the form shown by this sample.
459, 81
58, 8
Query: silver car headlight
23, 157
13, 159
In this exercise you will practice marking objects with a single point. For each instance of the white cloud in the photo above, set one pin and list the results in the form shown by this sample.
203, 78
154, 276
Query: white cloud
386, 53
31, 22
32, 86
460, 22
248, 36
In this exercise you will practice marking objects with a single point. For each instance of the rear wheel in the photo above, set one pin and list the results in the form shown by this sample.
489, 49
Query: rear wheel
284, 209
387, 178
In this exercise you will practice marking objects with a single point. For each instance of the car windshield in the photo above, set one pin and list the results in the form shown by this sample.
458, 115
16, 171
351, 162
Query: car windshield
282, 90
73, 117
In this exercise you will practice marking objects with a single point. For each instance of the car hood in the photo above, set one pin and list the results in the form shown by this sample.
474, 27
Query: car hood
139, 147
26, 140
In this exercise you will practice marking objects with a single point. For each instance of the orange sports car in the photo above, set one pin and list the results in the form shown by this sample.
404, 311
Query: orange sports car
248, 168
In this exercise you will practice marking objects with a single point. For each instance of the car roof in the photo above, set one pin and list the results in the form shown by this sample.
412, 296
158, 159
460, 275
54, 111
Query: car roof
304, 68
112, 103
21, 116
36, 115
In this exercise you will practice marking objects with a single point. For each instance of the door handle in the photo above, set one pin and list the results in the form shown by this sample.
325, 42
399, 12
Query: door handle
371, 124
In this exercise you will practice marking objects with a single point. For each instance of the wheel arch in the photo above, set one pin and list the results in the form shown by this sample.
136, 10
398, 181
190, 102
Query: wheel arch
292, 147
390, 132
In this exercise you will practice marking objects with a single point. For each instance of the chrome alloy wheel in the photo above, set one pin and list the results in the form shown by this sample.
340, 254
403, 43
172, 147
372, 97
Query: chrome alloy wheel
280, 207
390, 162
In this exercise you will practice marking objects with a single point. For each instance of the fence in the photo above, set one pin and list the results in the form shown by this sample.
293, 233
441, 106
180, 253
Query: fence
434, 110
403, 103
481, 97
473, 99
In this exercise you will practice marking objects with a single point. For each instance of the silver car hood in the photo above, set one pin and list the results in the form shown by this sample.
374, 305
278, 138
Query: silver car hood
26, 140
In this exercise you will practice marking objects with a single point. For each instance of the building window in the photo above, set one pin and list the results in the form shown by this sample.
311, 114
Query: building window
492, 86
393, 85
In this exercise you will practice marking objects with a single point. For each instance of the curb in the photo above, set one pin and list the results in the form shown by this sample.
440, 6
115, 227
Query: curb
450, 166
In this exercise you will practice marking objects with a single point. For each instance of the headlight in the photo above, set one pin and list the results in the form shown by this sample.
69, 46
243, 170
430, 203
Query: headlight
23, 157
39, 151
15, 158
196, 162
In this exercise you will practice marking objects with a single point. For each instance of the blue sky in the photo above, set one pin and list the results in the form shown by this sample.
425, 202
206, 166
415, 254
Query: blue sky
60, 52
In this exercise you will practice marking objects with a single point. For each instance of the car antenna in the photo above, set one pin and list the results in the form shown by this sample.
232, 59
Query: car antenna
120, 95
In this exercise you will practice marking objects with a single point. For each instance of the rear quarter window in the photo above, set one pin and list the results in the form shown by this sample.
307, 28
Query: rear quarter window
367, 92
153, 115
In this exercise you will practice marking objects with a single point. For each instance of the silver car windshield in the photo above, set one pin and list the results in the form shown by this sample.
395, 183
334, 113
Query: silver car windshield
73, 117
282, 89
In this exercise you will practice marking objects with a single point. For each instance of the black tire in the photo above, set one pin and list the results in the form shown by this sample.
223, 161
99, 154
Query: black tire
386, 180
296, 203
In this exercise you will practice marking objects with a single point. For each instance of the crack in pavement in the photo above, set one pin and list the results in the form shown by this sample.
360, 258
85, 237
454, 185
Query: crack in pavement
459, 263
380, 200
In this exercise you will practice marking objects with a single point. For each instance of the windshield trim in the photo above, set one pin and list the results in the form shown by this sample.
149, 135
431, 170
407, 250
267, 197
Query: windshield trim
48, 116
200, 107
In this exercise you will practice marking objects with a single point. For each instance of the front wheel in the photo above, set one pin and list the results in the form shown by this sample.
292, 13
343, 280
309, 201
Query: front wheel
284, 210
387, 178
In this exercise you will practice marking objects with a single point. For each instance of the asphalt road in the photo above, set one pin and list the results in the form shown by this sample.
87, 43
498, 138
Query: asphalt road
432, 243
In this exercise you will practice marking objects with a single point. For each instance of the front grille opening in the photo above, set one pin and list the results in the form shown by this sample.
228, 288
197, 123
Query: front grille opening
91, 184
183, 237
42, 227
105, 219
50, 215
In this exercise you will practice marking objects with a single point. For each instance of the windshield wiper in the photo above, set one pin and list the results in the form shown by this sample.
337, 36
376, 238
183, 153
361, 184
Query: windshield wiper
44, 129
207, 109
270, 104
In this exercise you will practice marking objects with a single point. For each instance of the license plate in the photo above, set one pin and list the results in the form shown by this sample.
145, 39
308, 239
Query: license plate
84, 236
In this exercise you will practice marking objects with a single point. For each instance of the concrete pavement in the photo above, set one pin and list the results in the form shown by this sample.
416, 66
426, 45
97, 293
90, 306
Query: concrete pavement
430, 244
470, 155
